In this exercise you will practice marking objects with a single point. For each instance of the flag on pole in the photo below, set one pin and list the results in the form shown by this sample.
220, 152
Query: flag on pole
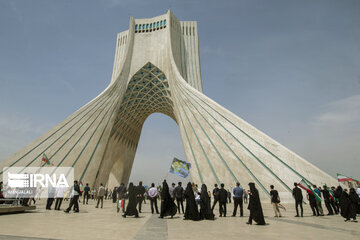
343, 178
282, 207
308, 189
180, 168
45, 159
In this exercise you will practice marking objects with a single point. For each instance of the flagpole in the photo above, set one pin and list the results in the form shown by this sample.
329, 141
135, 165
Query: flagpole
167, 174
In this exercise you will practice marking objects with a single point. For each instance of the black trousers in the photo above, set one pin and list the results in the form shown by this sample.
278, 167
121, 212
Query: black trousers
25, 202
74, 202
297, 203
153, 201
328, 207
333, 205
58, 203
86, 196
238, 202
215, 201
49, 202
222, 209
178, 202
100, 199
314, 209
337, 205
139, 202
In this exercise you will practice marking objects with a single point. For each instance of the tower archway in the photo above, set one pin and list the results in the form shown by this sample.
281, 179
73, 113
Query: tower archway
147, 92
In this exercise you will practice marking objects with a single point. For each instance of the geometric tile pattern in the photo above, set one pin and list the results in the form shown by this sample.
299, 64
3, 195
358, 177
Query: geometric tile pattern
147, 92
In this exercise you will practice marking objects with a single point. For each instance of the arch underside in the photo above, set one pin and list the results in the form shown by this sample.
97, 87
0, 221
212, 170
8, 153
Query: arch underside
147, 92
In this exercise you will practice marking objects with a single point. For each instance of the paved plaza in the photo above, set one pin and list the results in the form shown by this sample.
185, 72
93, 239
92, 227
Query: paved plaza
106, 223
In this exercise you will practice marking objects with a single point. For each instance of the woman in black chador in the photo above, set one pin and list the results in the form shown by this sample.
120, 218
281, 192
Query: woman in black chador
168, 207
254, 206
191, 210
353, 205
344, 204
131, 207
205, 208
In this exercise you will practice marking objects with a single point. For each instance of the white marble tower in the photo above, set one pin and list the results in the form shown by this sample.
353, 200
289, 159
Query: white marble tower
157, 69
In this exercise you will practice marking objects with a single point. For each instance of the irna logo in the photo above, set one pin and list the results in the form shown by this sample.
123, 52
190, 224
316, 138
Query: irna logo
36, 180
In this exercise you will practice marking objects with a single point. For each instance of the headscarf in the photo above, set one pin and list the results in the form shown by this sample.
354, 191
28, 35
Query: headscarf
205, 208
132, 193
131, 186
131, 206
252, 187
204, 193
189, 190
255, 205
165, 191
168, 207
191, 210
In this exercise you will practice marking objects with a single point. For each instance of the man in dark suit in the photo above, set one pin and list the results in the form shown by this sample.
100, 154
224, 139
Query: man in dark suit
327, 200
216, 196
86, 193
75, 192
179, 195
222, 200
297, 194
140, 191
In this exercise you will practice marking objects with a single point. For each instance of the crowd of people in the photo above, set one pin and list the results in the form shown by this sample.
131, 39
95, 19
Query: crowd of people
198, 200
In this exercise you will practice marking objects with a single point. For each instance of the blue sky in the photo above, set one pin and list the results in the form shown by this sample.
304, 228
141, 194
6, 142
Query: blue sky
290, 68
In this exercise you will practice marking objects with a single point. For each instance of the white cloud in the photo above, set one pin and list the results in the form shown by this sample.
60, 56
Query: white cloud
343, 111
331, 140
18, 123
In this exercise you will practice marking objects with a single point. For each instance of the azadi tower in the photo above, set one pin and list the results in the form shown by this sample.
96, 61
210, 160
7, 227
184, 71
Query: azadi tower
157, 70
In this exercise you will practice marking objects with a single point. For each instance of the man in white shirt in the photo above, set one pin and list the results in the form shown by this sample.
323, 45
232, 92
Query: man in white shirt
60, 192
153, 195
171, 191
197, 195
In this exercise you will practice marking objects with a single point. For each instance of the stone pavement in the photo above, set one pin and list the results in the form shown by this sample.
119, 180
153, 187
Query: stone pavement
106, 223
